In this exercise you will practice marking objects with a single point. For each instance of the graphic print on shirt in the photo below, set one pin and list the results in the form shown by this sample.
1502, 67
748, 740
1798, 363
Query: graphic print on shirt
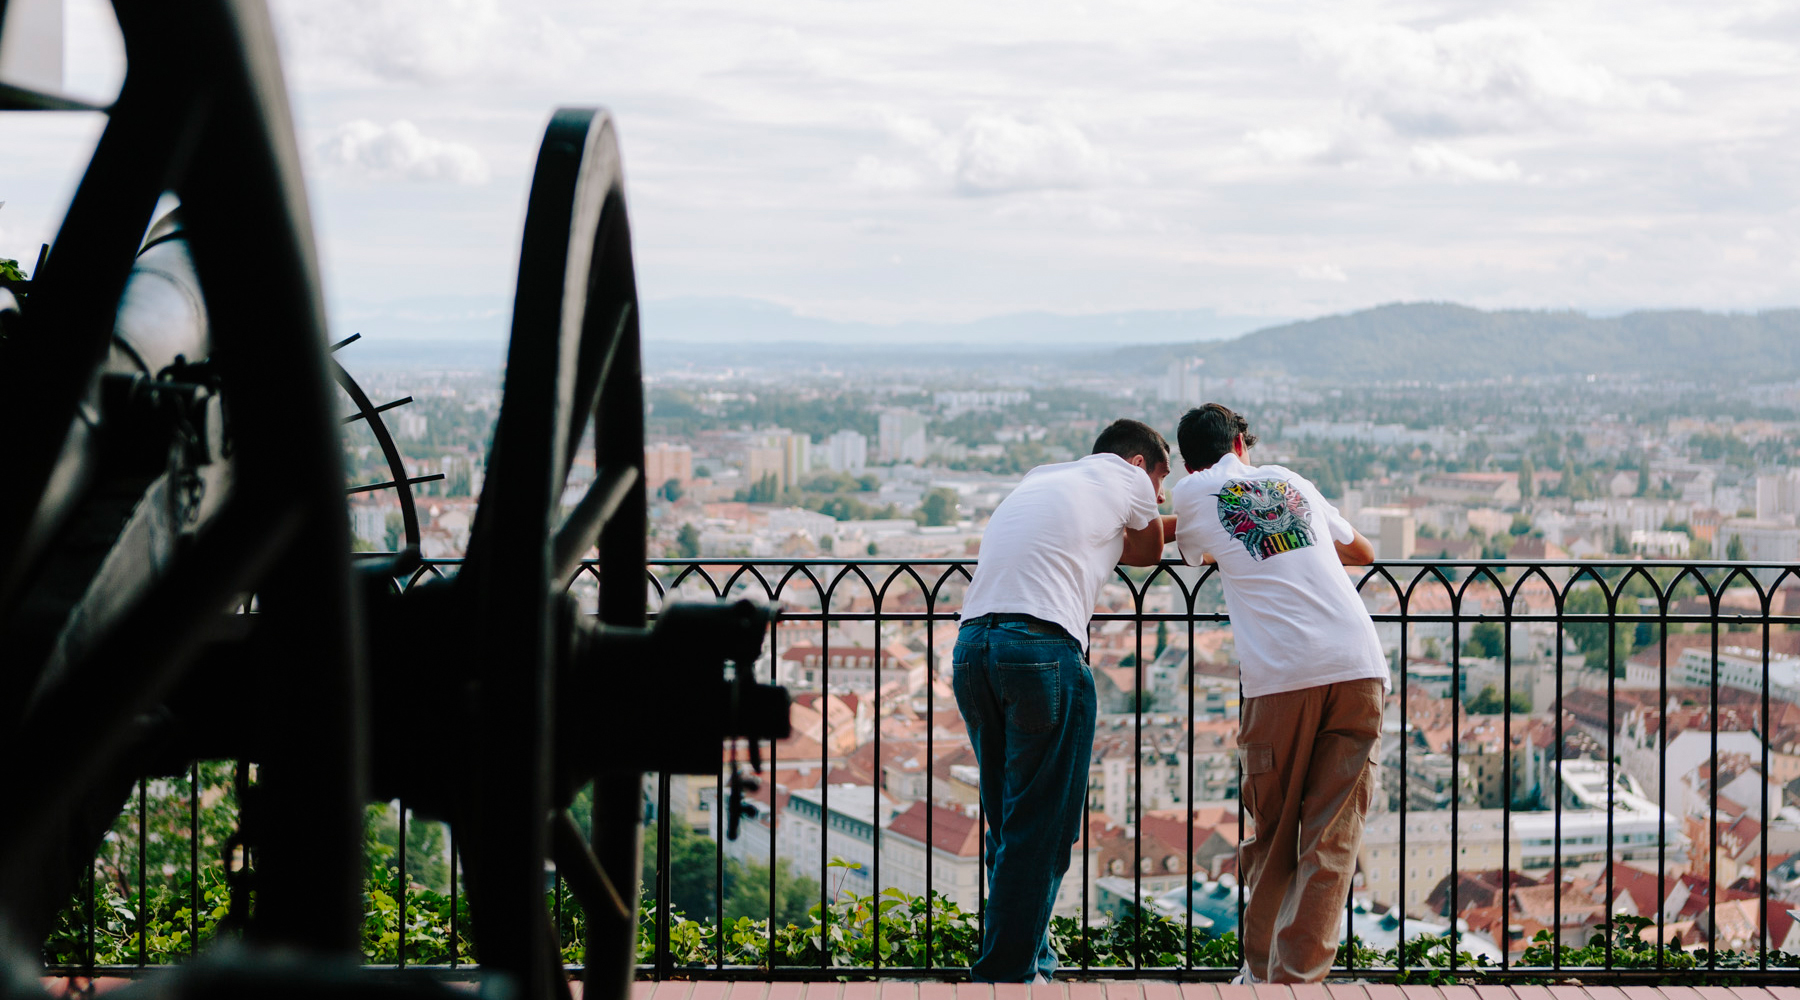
1269, 516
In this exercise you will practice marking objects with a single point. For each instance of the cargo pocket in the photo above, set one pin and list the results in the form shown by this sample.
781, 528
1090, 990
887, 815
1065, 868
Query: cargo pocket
1258, 758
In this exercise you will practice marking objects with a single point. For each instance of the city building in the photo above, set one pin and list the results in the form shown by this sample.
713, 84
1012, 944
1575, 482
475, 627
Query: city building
901, 437
664, 461
847, 451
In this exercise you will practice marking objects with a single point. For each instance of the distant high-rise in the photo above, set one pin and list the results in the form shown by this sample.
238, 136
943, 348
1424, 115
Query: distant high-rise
664, 461
1778, 495
1182, 383
902, 437
847, 451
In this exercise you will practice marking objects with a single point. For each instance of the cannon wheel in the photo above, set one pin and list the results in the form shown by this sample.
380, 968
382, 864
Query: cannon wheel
573, 367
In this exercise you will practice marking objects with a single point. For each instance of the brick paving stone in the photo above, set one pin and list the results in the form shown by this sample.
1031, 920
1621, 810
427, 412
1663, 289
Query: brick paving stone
1161, 991
1084, 991
1751, 993
1528, 992
1310, 991
673, 990
747, 990
970, 991
704, 990
934, 991
786, 991
1490, 991
1641, 992
1346, 991
1272, 991
1384, 991
1715, 993
1562, 992
1784, 992
640, 990
1012, 991
822, 991
1124, 989
899, 991
1047, 991
1453, 992
1604, 992
1677, 993
858, 991
1236, 991
1203, 991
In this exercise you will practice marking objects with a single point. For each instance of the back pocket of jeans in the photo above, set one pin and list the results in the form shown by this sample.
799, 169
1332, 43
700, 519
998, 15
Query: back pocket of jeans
1031, 695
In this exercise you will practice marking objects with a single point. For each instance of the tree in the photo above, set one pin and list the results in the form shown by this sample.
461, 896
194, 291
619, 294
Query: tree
868, 483
1643, 483
764, 490
747, 893
693, 861
671, 490
1487, 639
827, 542
1488, 702
1162, 637
938, 508
1527, 477
687, 541
1521, 525
394, 531
872, 550
1734, 550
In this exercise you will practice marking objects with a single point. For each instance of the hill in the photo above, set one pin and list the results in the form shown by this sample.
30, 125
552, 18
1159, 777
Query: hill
1441, 342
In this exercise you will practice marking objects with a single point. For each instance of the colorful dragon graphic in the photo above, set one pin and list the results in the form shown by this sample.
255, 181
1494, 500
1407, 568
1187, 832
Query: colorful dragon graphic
1269, 516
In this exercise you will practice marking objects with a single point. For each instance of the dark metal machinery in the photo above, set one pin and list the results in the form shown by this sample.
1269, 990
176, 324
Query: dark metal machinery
176, 451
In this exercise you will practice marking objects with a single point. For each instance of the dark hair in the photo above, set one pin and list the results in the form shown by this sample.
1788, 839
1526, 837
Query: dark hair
1128, 438
1207, 432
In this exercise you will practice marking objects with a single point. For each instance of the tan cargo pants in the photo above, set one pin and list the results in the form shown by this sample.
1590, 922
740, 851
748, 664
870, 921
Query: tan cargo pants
1308, 781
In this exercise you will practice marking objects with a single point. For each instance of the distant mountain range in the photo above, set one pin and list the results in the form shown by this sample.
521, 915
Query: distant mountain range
1442, 342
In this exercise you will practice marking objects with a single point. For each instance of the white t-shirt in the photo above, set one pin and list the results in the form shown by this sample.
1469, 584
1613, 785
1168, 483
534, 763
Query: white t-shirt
1053, 542
1295, 616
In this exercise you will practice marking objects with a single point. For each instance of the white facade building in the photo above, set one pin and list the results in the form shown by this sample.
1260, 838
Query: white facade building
847, 451
901, 437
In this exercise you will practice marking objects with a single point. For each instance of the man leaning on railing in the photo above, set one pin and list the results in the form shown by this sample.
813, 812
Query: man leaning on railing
1314, 679
1021, 677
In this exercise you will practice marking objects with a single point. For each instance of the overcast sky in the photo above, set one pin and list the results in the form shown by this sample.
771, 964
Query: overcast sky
925, 160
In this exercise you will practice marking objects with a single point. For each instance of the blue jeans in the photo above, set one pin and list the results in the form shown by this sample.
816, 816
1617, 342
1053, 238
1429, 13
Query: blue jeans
1028, 700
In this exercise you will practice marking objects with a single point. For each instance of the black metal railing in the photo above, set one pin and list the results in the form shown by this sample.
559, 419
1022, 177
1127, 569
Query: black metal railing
1622, 647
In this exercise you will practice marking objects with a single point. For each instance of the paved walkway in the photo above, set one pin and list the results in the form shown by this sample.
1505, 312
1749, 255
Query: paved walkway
1190, 991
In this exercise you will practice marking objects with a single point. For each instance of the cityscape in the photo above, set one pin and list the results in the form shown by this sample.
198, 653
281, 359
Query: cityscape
1502, 733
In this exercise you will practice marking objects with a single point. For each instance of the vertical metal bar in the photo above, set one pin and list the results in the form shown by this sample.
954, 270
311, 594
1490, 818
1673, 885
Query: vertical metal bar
774, 815
194, 894
824, 799
1400, 899
1612, 750
143, 811
455, 899
1187, 951
1506, 788
665, 878
1662, 776
1556, 795
1137, 778
400, 890
1768, 734
875, 797
1087, 933
1712, 812
1455, 759
92, 888
721, 820
930, 759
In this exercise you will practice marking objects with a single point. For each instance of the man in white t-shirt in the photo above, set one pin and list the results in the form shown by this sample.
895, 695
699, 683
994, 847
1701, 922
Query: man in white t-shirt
1021, 677
1314, 679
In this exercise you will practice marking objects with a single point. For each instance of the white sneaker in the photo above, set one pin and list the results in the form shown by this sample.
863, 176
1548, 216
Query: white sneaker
1244, 978
1040, 978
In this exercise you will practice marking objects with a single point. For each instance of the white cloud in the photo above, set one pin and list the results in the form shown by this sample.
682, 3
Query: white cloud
399, 152
1438, 160
991, 154
1490, 75
996, 153
431, 42
1322, 272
